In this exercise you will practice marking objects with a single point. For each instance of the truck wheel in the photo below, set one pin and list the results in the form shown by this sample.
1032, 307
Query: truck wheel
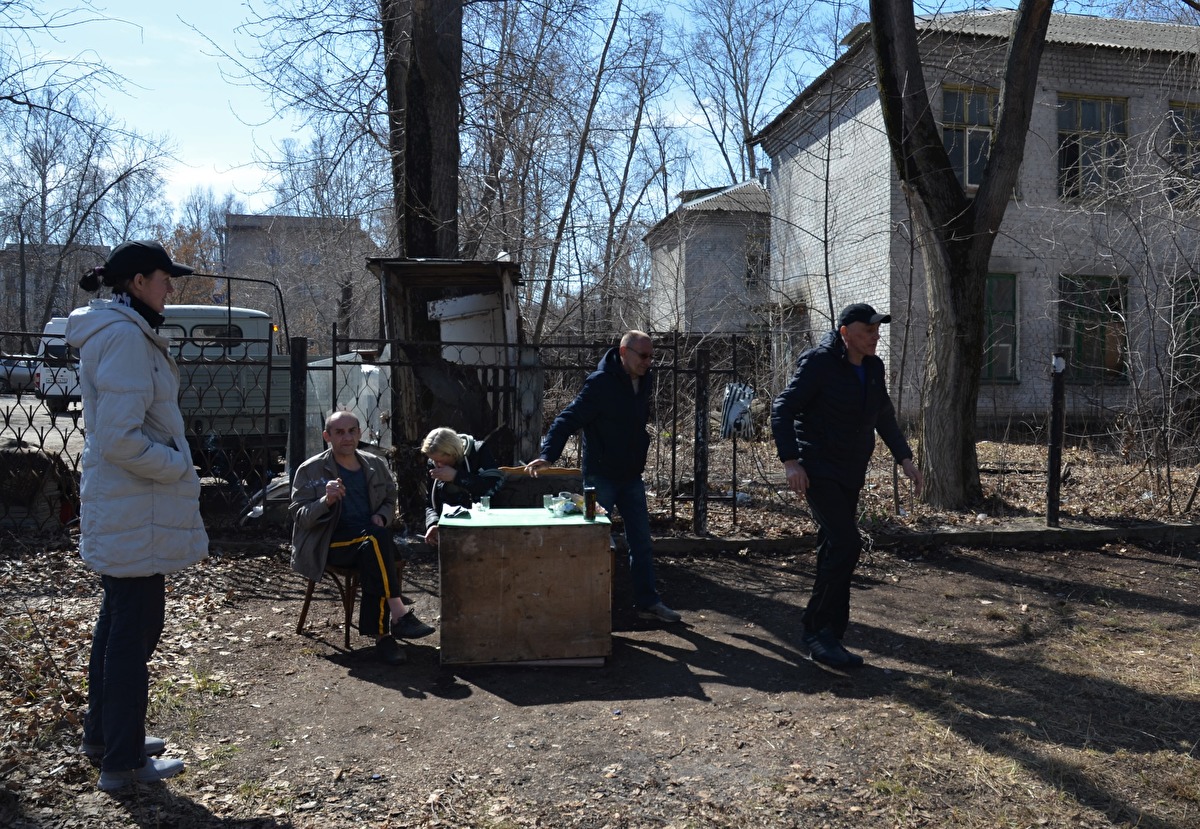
57, 405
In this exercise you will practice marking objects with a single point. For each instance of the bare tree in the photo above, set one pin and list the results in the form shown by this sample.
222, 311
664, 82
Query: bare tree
63, 162
336, 188
954, 233
380, 73
31, 81
561, 105
202, 220
740, 61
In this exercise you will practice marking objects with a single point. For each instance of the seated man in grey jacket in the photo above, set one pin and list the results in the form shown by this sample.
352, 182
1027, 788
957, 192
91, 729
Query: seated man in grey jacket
343, 504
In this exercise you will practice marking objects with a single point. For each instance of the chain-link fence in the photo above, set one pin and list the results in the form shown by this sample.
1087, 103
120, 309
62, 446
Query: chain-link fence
237, 394
234, 396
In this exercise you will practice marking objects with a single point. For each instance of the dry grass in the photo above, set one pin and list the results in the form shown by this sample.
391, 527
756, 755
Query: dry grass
1007, 688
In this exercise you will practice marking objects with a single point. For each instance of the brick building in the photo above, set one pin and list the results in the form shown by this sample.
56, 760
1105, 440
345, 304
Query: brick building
1098, 254
320, 265
710, 261
40, 281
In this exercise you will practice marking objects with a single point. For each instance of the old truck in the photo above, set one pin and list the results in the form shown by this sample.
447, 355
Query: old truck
234, 388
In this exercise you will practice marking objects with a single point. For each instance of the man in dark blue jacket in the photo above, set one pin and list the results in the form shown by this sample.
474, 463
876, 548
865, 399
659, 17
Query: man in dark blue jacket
612, 409
824, 425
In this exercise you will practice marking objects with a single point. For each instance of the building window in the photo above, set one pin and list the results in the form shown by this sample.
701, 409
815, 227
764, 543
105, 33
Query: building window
1092, 318
1185, 323
1000, 328
968, 116
1184, 122
758, 259
1091, 145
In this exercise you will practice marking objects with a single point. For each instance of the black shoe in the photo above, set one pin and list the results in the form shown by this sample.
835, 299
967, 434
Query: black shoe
659, 612
409, 626
389, 651
824, 647
855, 661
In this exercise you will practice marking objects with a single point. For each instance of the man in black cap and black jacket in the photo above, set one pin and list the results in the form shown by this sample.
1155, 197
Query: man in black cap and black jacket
824, 425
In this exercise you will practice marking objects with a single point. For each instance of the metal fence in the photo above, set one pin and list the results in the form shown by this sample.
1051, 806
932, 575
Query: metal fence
246, 408
704, 395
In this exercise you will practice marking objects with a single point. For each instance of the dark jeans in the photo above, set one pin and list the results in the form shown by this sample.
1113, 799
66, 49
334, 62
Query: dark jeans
629, 498
373, 552
127, 632
835, 510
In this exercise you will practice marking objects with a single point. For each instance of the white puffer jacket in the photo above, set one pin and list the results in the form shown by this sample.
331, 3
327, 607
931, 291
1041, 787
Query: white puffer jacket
140, 493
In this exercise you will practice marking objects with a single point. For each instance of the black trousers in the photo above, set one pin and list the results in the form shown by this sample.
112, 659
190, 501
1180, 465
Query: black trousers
835, 510
373, 552
127, 632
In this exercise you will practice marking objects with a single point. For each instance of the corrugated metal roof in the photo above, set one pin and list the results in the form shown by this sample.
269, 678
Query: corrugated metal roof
748, 196
1075, 29
1065, 29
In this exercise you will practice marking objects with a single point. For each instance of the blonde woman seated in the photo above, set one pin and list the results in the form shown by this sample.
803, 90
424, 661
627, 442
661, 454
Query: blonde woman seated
461, 471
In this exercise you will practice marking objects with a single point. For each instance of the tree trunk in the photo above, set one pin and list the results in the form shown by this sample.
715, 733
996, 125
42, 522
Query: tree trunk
422, 73
955, 294
955, 234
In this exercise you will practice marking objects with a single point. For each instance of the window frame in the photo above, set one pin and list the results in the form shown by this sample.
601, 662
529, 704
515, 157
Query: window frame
1091, 160
990, 314
758, 260
1183, 150
966, 126
1185, 323
1088, 326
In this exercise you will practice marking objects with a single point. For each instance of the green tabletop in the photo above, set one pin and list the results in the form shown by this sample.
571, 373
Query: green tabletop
536, 517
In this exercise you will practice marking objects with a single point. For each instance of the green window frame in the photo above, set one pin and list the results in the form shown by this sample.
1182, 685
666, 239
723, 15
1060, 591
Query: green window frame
1092, 325
1000, 329
1092, 131
968, 118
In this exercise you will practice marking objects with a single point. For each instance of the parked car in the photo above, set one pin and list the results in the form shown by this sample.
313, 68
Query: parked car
17, 371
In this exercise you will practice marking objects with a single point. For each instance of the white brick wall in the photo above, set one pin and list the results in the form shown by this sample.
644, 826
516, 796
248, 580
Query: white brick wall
1041, 238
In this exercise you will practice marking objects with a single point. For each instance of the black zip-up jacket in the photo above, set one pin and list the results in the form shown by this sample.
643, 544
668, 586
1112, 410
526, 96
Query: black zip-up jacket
827, 420
475, 475
613, 419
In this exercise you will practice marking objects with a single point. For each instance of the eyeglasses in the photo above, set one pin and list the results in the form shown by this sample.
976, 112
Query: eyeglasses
647, 356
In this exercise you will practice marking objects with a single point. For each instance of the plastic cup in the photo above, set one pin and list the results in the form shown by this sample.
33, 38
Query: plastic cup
485, 503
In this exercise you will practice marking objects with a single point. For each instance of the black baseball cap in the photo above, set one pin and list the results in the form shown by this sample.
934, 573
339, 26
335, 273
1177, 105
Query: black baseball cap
129, 258
861, 312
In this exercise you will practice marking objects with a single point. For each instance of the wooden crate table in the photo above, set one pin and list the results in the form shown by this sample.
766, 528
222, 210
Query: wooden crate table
521, 585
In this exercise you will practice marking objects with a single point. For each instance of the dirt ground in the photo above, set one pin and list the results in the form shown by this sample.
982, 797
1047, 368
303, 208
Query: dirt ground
1003, 688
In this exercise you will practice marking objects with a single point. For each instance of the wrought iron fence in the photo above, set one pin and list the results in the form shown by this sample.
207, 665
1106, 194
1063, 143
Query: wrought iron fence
237, 399
509, 394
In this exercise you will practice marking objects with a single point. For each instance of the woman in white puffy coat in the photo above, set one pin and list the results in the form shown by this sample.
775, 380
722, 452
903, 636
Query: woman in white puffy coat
140, 516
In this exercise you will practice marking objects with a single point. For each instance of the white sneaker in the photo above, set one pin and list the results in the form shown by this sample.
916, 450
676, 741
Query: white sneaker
154, 770
660, 612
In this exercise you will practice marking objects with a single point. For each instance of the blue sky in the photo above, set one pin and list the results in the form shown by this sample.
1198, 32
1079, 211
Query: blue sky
175, 88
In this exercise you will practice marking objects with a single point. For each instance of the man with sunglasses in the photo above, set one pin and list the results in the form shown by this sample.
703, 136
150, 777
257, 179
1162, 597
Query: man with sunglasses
612, 409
